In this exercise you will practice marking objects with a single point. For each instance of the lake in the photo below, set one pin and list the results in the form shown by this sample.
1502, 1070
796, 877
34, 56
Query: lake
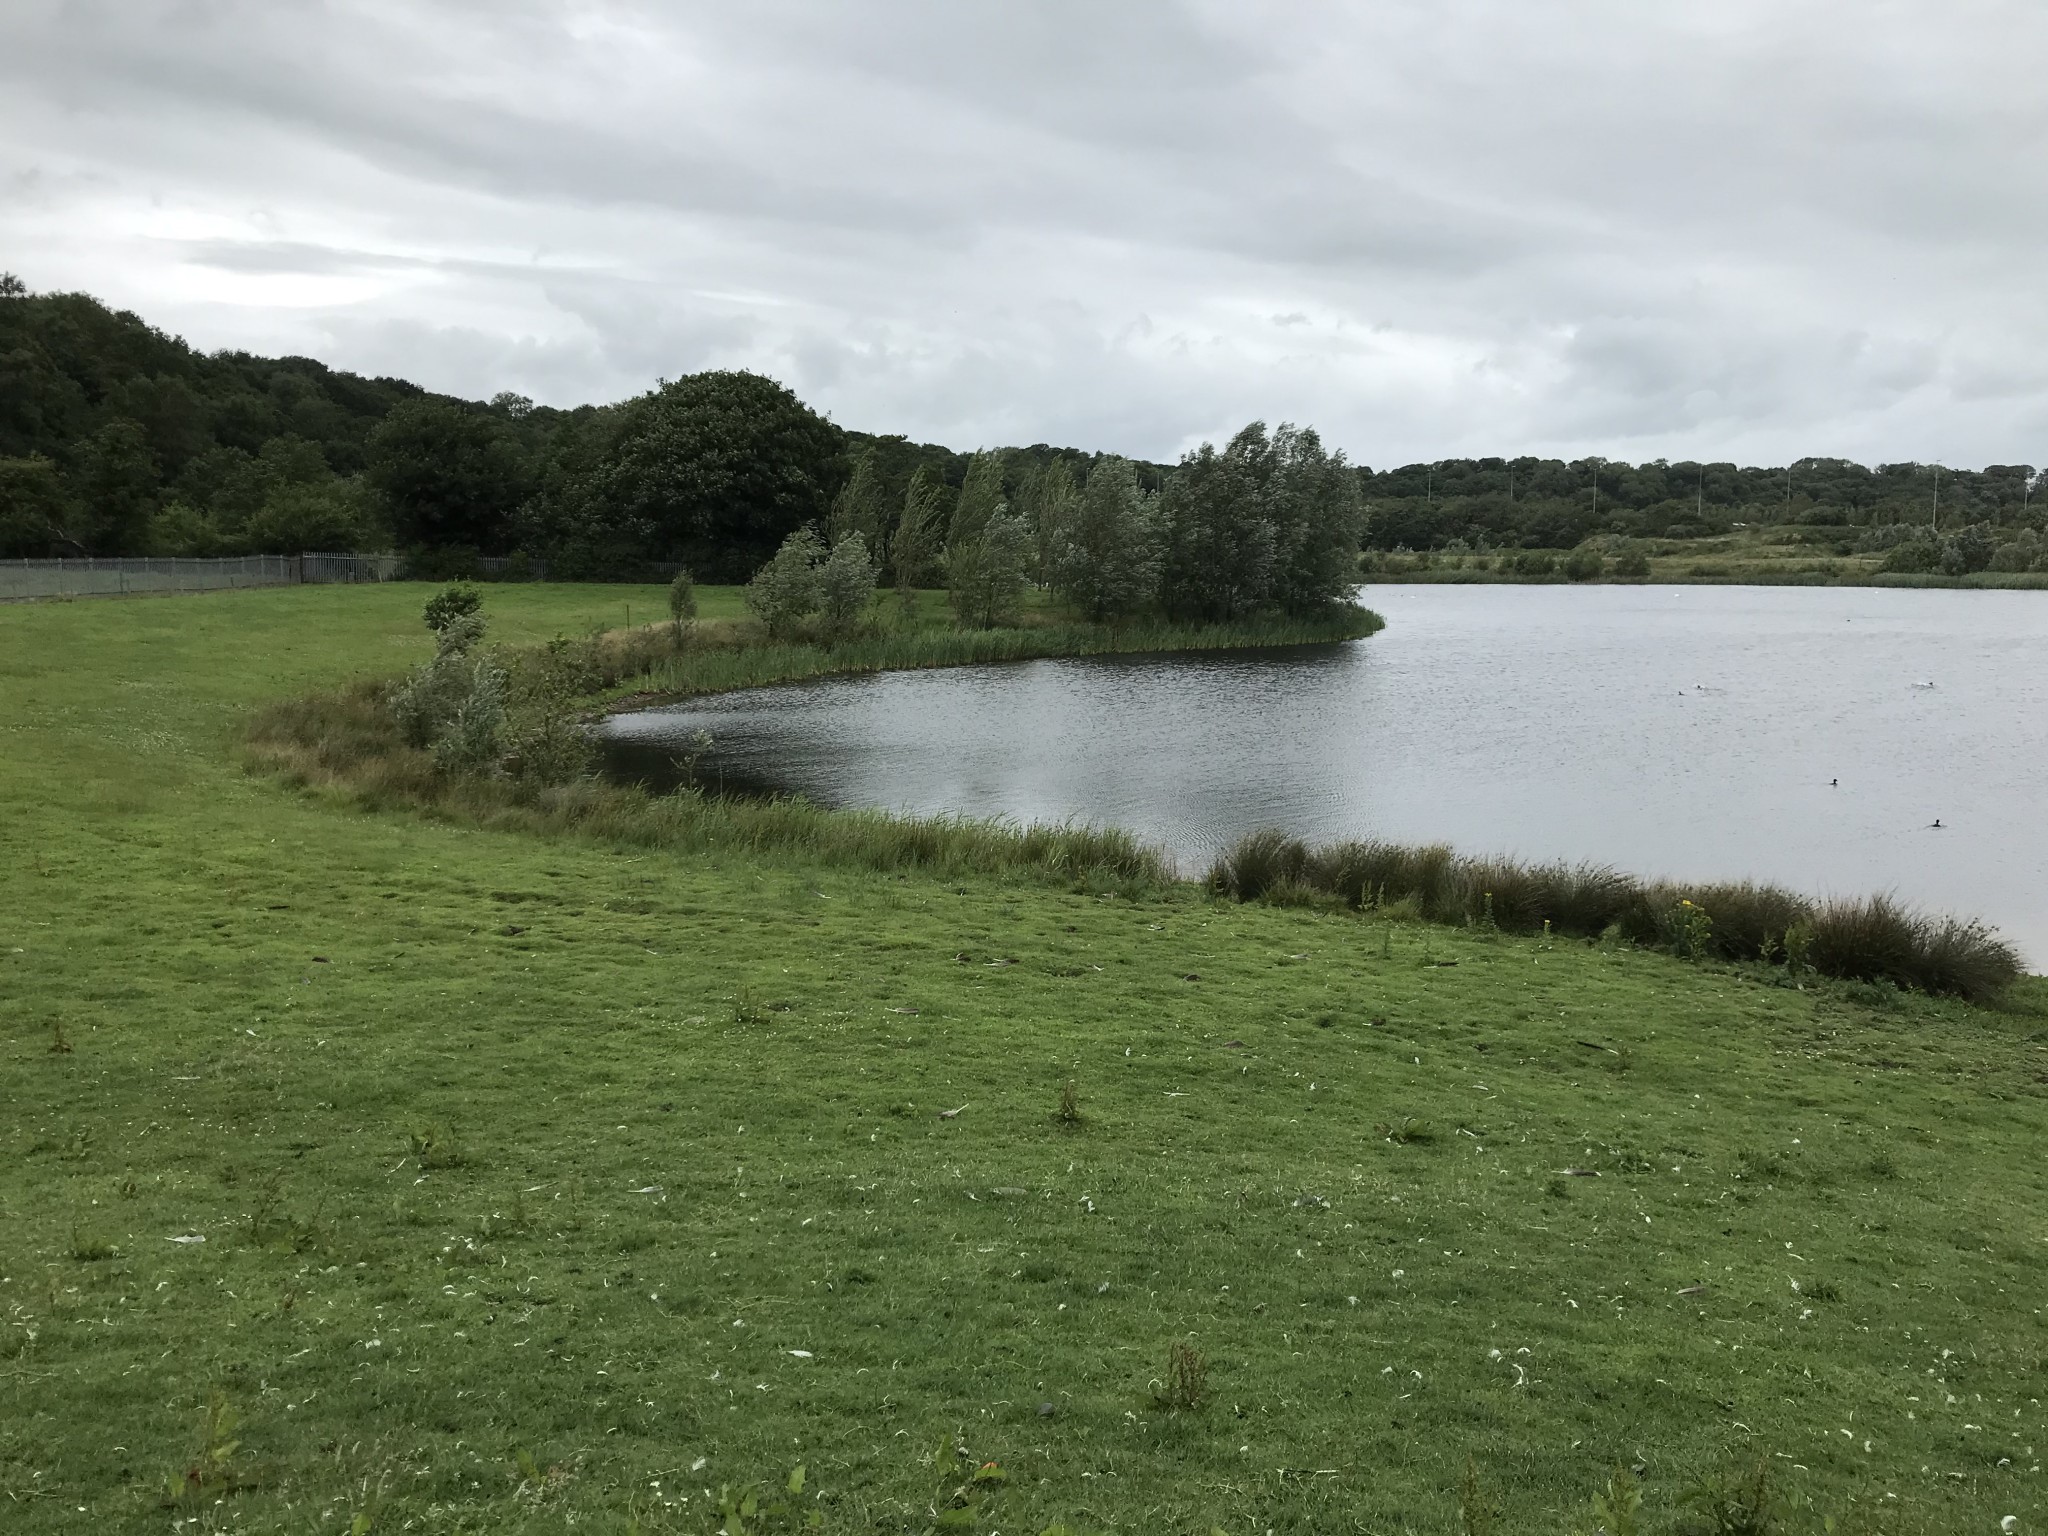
1805, 736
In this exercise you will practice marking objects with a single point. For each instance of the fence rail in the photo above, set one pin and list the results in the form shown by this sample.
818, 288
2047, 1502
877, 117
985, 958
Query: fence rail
114, 577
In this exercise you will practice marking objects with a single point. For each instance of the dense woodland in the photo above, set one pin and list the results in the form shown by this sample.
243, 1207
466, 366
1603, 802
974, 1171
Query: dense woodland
116, 438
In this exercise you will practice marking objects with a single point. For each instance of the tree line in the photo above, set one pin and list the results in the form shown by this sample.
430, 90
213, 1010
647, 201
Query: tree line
117, 439
1268, 523
1531, 503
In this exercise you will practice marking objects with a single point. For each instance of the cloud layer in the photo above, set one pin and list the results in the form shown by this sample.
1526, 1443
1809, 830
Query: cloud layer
1730, 228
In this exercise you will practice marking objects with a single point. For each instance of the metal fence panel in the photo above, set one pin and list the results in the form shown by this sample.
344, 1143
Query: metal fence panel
117, 576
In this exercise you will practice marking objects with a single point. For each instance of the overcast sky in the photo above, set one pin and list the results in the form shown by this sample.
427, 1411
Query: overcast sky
1746, 229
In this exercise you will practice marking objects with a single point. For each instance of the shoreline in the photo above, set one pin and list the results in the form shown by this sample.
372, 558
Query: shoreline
776, 664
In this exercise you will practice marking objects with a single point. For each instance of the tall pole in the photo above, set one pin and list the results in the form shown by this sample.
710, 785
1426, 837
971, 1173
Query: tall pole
1700, 502
1934, 521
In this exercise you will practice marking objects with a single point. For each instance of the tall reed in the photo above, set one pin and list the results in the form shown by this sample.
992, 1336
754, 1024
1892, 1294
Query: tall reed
1875, 939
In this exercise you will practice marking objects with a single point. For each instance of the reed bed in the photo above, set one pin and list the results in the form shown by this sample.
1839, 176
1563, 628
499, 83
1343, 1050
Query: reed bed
725, 658
1873, 939
347, 743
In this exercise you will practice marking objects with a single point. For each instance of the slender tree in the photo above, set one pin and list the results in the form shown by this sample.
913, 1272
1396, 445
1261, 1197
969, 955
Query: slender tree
981, 494
915, 547
1048, 512
1108, 557
1312, 503
1217, 547
860, 506
846, 586
985, 575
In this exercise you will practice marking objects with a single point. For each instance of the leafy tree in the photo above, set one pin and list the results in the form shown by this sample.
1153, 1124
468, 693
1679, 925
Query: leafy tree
915, 546
1217, 550
1048, 511
985, 575
1107, 554
846, 585
860, 507
717, 469
34, 508
450, 475
113, 483
326, 514
786, 590
1310, 499
981, 496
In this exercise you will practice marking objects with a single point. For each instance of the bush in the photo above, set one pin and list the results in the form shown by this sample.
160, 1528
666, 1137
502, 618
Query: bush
450, 604
682, 602
1584, 564
786, 590
1632, 564
846, 585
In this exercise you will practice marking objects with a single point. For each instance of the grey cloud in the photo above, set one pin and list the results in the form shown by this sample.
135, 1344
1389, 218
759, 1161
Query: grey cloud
1481, 226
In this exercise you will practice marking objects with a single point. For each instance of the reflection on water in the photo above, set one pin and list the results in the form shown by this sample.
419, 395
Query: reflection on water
1697, 731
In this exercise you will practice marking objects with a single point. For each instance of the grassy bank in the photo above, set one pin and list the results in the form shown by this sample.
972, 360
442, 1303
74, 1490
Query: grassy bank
549, 1179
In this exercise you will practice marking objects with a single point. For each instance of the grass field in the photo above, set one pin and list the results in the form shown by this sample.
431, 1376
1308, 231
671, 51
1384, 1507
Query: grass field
546, 1184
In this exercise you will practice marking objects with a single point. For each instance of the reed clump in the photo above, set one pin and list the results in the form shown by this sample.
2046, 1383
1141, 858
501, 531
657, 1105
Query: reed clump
1875, 939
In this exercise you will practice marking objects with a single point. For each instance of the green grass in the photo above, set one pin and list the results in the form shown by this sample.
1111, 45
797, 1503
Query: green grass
524, 1163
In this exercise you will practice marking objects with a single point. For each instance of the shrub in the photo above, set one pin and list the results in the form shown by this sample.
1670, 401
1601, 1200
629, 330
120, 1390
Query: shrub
682, 602
786, 590
428, 697
467, 741
1584, 564
451, 604
846, 585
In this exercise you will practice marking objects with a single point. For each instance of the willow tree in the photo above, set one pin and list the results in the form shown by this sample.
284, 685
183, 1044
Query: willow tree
914, 549
1107, 560
981, 497
861, 506
986, 573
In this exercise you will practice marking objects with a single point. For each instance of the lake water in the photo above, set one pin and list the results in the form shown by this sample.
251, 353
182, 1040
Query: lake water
1694, 732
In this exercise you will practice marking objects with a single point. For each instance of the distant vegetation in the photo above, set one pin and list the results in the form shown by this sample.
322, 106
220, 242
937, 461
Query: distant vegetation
117, 439
1948, 519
